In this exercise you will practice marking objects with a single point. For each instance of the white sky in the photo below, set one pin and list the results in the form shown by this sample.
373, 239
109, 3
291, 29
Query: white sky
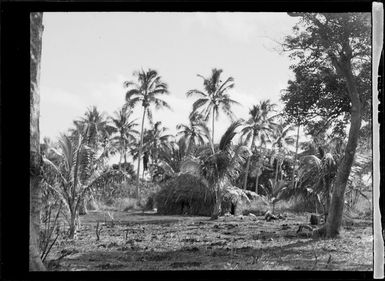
87, 56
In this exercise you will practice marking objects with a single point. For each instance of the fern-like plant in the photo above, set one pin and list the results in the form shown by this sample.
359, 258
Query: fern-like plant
73, 170
222, 164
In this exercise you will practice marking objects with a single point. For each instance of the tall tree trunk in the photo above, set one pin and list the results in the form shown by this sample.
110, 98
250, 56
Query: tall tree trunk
120, 160
72, 226
140, 152
189, 146
218, 200
248, 163
276, 174
36, 32
258, 170
334, 219
295, 156
212, 127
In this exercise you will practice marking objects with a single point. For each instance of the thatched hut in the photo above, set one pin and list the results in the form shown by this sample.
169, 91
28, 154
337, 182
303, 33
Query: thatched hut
185, 194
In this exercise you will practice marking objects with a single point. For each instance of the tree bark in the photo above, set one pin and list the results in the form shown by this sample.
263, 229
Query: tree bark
36, 31
212, 127
277, 170
248, 163
72, 226
218, 200
140, 153
259, 169
334, 219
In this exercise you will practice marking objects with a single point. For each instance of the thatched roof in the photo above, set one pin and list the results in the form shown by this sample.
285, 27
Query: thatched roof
190, 166
185, 194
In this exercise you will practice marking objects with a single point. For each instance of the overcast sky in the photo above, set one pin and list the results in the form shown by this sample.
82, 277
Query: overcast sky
87, 56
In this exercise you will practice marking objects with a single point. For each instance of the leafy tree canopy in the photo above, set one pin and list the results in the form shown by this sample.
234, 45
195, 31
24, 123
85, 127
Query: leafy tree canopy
318, 97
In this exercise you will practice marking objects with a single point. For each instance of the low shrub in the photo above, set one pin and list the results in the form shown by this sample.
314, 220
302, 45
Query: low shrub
301, 206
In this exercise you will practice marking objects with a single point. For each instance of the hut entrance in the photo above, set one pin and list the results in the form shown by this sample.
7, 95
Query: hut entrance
232, 211
185, 207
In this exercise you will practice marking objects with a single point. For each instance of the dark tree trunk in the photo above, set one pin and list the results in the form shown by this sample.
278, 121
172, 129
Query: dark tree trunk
248, 163
259, 170
335, 213
276, 174
36, 31
212, 127
72, 228
140, 153
218, 199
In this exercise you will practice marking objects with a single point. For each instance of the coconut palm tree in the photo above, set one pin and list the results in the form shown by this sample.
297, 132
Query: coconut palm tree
93, 127
196, 133
283, 140
74, 170
259, 126
145, 92
123, 127
156, 140
316, 174
213, 98
221, 165
95, 132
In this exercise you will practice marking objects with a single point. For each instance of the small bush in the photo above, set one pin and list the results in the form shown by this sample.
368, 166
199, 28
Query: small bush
302, 206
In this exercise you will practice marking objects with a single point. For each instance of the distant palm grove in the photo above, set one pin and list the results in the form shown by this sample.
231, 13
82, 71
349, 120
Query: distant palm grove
260, 156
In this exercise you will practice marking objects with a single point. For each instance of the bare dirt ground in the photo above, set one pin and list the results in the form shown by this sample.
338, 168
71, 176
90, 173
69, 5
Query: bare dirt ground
147, 241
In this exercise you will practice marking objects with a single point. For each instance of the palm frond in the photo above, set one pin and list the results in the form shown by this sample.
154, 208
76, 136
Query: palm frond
196, 92
199, 103
132, 93
161, 103
229, 135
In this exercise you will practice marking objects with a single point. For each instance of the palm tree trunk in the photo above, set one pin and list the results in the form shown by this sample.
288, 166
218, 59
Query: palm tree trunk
189, 146
140, 152
295, 156
212, 127
36, 31
218, 200
120, 160
248, 163
258, 170
276, 174
72, 226
256, 183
